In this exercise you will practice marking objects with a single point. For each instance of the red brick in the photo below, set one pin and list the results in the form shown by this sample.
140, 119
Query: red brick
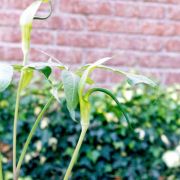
72, 23
55, 22
172, 78
13, 54
10, 35
100, 76
112, 25
36, 55
69, 56
66, 56
9, 19
14, 35
16, 4
137, 43
119, 58
61, 22
83, 40
86, 7
173, 45
173, 1
132, 59
138, 10
2, 53
157, 28
177, 28
51, 23
173, 13
42, 37
158, 61
164, 1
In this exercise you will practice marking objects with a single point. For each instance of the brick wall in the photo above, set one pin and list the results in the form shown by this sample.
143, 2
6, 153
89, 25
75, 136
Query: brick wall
143, 34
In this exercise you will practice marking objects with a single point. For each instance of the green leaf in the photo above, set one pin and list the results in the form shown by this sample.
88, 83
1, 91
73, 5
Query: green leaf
133, 79
17, 67
40, 65
43, 67
26, 78
86, 73
71, 83
46, 71
93, 155
46, 68
6, 74
80, 72
85, 104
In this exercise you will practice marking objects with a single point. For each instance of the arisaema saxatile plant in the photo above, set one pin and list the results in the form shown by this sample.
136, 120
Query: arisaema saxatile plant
74, 85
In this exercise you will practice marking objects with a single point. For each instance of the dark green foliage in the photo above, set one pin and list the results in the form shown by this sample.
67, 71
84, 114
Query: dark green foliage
110, 149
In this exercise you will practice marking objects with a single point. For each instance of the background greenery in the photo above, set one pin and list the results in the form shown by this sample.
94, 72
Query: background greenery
111, 150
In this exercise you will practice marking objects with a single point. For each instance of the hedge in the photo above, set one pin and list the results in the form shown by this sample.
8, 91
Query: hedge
111, 150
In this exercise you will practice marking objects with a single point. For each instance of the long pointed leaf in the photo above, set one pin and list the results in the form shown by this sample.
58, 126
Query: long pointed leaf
109, 93
86, 73
71, 83
84, 104
133, 79
40, 65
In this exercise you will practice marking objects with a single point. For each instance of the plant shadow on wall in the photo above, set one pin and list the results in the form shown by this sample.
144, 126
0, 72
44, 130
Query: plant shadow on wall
74, 86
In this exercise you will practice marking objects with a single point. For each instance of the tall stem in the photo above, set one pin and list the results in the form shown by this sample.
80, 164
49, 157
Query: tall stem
1, 171
16, 118
76, 152
26, 145
15, 126
32, 133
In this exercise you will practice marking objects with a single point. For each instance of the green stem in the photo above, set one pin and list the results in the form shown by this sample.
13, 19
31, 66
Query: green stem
1, 171
76, 152
15, 125
25, 59
23, 153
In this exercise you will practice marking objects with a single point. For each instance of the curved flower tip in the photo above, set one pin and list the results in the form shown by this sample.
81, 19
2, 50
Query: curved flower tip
29, 13
26, 21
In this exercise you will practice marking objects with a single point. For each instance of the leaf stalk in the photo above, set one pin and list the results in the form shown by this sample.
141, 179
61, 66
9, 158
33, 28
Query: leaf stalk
76, 152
